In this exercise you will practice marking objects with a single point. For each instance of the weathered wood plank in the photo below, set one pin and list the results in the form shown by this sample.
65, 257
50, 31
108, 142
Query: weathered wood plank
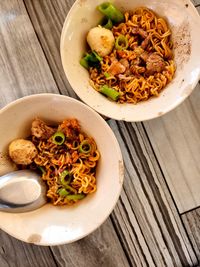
146, 217
191, 221
16, 253
176, 141
24, 70
196, 2
48, 17
101, 248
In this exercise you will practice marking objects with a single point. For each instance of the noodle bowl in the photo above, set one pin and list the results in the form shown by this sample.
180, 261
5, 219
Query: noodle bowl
66, 157
56, 225
182, 40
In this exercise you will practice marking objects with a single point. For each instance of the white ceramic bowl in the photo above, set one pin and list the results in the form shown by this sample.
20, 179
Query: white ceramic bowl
184, 21
52, 225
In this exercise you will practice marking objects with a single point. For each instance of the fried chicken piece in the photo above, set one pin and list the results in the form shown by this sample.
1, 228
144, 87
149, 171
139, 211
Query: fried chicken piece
41, 130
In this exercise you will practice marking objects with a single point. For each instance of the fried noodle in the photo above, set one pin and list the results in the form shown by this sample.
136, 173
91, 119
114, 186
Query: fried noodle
54, 159
137, 84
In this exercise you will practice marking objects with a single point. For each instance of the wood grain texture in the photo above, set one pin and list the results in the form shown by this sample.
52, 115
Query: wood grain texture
191, 221
23, 67
48, 17
14, 253
146, 217
24, 70
101, 248
176, 141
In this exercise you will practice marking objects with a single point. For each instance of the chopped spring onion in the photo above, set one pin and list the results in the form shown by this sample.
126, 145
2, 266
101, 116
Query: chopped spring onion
58, 138
75, 197
97, 56
121, 42
90, 60
70, 188
65, 177
85, 147
106, 23
110, 92
111, 12
84, 63
63, 192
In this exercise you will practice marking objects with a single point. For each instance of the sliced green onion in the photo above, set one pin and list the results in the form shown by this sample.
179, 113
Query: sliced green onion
65, 174
75, 197
97, 56
121, 42
58, 138
111, 12
110, 92
106, 23
84, 63
91, 60
41, 169
70, 188
106, 74
85, 147
62, 192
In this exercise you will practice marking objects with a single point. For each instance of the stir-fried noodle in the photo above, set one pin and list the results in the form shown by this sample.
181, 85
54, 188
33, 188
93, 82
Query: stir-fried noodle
148, 58
68, 161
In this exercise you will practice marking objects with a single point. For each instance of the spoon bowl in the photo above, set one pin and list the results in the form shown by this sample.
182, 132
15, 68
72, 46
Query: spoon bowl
22, 191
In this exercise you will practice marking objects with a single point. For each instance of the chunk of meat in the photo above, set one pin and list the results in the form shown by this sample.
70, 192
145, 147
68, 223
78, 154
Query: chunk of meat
116, 68
154, 63
41, 130
140, 31
144, 56
22, 151
124, 62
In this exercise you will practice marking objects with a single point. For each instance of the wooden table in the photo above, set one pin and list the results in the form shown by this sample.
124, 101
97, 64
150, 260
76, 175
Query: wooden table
156, 221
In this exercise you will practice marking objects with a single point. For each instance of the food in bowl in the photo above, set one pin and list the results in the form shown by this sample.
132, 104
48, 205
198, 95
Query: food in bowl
131, 54
65, 155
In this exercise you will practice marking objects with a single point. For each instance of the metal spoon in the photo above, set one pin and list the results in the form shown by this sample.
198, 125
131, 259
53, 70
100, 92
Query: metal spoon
22, 191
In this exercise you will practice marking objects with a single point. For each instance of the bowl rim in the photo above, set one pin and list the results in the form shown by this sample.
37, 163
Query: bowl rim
117, 116
120, 159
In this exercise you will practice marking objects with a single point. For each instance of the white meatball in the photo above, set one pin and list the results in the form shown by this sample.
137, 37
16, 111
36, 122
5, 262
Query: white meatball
22, 151
101, 40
